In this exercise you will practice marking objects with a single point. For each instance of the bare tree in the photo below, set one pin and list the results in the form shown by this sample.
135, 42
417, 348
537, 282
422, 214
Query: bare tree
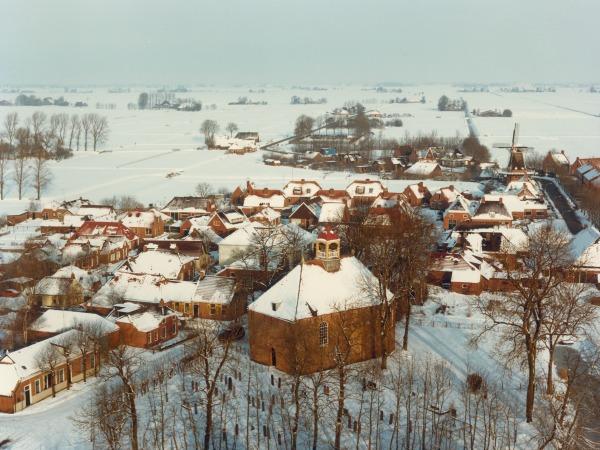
86, 127
58, 128
75, 126
21, 170
11, 122
535, 281
210, 356
38, 124
304, 125
567, 316
99, 130
104, 418
231, 128
204, 189
48, 359
41, 175
209, 128
124, 364
4, 158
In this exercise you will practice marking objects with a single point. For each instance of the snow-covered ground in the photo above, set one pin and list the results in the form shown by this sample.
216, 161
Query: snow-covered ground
146, 145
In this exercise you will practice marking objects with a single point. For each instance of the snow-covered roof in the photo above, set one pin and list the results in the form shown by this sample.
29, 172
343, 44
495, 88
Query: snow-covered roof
365, 188
332, 212
422, 168
215, 289
57, 321
309, 286
268, 214
245, 236
22, 364
465, 276
560, 158
53, 286
274, 201
585, 247
159, 262
143, 288
301, 188
141, 219
145, 321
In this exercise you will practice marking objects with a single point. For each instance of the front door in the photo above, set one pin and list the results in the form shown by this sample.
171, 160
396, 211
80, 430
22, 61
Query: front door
27, 393
196, 310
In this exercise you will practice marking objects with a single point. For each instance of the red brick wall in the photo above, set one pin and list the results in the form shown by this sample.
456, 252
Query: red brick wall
297, 346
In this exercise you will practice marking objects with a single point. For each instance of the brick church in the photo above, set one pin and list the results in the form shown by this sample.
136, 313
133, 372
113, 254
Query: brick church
322, 308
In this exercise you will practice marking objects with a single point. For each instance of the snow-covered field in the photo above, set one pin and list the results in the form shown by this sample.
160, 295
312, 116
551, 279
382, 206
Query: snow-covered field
146, 145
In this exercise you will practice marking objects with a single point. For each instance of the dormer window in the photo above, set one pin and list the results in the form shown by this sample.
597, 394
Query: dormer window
360, 189
297, 191
275, 306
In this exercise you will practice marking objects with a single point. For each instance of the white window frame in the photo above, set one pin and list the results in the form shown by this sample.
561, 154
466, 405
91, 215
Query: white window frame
323, 334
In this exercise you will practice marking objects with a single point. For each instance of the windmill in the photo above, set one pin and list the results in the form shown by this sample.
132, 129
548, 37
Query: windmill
516, 164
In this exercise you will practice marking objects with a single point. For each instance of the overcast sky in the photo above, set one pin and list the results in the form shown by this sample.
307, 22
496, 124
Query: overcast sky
307, 41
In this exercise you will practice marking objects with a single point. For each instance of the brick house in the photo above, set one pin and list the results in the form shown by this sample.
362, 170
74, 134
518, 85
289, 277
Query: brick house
417, 194
460, 211
225, 222
144, 224
442, 198
169, 264
181, 208
364, 192
298, 190
216, 298
23, 382
299, 324
146, 328
305, 215
556, 163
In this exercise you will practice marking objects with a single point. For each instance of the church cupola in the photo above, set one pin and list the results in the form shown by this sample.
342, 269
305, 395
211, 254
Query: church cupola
328, 250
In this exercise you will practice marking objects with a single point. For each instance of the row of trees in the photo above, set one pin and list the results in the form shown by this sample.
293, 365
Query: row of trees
28, 146
55, 132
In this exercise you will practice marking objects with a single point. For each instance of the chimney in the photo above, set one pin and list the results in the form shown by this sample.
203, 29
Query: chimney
451, 187
500, 200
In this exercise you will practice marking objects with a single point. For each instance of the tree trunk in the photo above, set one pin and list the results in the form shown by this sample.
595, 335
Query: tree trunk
84, 366
133, 416
550, 380
406, 325
531, 358
209, 419
340, 409
315, 436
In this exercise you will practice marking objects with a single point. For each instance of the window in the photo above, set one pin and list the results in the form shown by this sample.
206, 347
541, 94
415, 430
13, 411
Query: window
297, 191
174, 327
370, 190
47, 381
156, 336
163, 332
92, 360
308, 190
149, 336
37, 387
213, 309
323, 334
360, 189
148, 231
186, 307
61, 376
224, 310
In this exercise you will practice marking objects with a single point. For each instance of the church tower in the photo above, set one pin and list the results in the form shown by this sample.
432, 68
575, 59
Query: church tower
327, 249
